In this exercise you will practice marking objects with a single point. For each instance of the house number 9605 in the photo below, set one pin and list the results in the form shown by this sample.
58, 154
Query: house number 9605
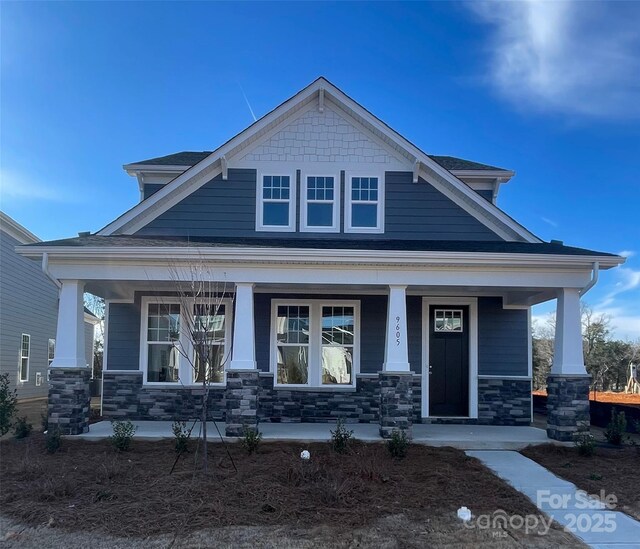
397, 330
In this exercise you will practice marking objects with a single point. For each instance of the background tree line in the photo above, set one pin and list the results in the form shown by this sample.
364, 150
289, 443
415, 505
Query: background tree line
607, 359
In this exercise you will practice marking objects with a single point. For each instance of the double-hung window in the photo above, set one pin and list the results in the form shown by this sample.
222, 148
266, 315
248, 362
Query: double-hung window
25, 352
276, 203
320, 206
185, 343
163, 341
315, 343
364, 212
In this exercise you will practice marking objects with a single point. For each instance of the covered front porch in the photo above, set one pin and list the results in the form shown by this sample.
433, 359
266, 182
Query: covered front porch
389, 381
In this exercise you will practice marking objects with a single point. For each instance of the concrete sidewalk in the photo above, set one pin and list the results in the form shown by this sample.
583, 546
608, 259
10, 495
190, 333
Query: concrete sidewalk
586, 518
464, 437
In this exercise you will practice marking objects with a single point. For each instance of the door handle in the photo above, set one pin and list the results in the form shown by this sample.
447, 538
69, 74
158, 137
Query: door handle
430, 369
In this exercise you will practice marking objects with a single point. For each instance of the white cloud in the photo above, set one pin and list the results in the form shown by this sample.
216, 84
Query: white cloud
549, 221
15, 187
627, 253
573, 57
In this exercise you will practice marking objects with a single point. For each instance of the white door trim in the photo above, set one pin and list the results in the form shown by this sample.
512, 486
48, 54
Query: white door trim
472, 303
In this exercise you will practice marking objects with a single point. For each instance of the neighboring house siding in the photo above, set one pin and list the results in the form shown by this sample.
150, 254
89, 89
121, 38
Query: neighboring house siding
488, 195
503, 337
228, 208
28, 304
123, 337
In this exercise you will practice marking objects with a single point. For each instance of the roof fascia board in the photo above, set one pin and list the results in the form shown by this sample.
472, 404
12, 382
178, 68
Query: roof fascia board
159, 202
17, 231
293, 255
492, 174
119, 226
483, 205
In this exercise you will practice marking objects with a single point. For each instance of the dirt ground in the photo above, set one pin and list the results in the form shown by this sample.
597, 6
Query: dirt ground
362, 499
614, 470
607, 396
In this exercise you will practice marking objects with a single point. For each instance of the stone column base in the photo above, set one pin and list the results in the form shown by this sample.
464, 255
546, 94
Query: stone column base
396, 403
567, 405
242, 401
69, 400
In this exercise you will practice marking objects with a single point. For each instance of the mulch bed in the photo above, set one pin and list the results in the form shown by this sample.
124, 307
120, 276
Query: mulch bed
91, 487
614, 470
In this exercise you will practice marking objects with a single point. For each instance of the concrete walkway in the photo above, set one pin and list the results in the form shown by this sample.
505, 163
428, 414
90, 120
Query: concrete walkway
464, 437
586, 518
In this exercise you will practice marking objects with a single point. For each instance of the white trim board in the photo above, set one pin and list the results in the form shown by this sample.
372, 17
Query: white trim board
472, 303
200, 173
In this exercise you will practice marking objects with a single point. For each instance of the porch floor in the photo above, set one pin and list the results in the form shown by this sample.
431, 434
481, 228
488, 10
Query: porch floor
464, 437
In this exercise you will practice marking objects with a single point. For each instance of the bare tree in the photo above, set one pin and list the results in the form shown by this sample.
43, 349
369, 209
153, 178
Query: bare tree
202, 321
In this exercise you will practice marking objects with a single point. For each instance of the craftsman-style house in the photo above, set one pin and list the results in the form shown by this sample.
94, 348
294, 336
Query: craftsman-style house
364, 279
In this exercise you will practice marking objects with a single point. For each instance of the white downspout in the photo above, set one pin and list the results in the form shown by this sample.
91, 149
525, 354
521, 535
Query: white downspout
594, 278
45, 270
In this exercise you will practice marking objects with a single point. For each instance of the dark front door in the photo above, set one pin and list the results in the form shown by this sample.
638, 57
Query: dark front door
448, 360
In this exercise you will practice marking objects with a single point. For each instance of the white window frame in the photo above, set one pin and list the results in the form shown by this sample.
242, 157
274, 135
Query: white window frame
348, 228
186, 372
22, 357
315, 342
260, 201
49, 357
304, 202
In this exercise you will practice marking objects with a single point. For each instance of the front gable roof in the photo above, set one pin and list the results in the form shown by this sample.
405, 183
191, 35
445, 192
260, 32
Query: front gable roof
319, 91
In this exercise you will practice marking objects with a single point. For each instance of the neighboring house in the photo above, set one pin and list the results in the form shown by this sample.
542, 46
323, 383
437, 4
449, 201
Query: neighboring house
370, 281
28, 313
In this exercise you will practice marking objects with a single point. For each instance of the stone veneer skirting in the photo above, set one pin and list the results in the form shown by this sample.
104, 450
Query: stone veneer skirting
567, 405
501, 401
69, 400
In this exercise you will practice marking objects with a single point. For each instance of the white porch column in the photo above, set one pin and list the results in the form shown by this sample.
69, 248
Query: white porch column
396, 357
69, 351
243, 356
568, 357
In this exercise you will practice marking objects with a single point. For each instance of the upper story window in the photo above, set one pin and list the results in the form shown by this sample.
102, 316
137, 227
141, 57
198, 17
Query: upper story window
364, 211
276, 203
320, 208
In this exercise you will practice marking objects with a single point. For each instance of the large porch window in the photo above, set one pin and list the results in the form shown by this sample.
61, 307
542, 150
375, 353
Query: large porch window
185, 343
315, 343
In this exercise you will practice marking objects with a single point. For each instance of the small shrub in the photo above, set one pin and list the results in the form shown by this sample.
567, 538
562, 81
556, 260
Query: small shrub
617, 427
22, 428
398, 444
123, 432
585, 443
8, 403
182, 435
341, 437
251, 440
53, 440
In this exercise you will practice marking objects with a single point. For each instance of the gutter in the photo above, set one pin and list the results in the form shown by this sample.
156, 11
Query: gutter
45, 270
594, 278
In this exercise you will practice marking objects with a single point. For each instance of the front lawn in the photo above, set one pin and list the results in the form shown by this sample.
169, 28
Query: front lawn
614, 470
364, 498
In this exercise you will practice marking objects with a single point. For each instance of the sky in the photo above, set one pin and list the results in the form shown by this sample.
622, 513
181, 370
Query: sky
548, 89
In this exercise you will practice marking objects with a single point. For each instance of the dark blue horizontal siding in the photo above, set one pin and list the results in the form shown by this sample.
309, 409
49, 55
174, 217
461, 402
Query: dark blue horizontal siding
503, 338
123, 337
228, 208
151, 188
